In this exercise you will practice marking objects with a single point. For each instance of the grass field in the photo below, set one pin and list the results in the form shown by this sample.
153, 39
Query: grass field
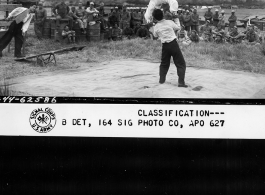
241, 57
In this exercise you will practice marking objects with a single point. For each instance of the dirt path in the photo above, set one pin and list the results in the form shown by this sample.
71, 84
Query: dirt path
139, 78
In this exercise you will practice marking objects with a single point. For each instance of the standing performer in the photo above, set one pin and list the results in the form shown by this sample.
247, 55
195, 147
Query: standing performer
40, 16
165, 30
17, 29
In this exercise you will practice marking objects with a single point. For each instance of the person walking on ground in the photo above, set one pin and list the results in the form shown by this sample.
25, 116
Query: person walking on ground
40, 17
216, 18
21, 20
165, 30
208, 15
195, 21
61, 11
232, 20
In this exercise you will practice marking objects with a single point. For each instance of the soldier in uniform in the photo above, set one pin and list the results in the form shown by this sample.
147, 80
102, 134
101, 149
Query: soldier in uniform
194, 37
116, 33
113, 18
195, 21
221, 24
61, 11
142, 32
125, 18
208, 15
40, 16
91, 12
206, 32
180, 15
127, 32
251, 35
182, 36
187, 21
232, 20
81, 17
137, 18
216, 18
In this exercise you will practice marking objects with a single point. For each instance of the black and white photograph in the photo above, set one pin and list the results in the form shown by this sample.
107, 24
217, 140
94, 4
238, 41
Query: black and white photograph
108, 97
133, 48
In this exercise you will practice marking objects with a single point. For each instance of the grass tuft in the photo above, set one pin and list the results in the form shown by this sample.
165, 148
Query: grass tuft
4, 89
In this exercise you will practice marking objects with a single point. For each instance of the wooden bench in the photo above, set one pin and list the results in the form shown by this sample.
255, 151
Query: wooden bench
49, 57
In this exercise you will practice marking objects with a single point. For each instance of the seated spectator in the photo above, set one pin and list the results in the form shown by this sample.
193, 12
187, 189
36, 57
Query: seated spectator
182, 36
113, 18
136, 28
127, 32
194, 37
69, 34
251, 35
116, 33
61, 11
91, 12
81, 18
142, 32
206, 32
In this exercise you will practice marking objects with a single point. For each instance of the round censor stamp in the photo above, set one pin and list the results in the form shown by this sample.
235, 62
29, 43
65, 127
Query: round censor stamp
42, 121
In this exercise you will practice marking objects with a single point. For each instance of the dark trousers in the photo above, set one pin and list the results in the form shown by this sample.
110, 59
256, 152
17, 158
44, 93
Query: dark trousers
168, 50
16, 32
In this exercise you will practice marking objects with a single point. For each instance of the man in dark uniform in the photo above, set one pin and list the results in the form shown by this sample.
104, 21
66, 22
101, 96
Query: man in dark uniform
40, 16
142, 32
232, 20
125, 18
61, 11
195, 21
127, 32
17, 29
208, 15
216, 18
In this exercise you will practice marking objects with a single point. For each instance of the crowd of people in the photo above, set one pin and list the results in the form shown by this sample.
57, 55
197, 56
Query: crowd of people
119, 23
126, 23
214, 29
122, 23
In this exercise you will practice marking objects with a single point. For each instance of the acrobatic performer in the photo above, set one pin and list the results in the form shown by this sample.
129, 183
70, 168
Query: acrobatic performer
165, 30
156, 4
17, 29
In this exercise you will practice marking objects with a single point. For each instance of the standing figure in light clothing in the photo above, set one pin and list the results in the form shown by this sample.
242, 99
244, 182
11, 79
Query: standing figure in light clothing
17, 29
165, 30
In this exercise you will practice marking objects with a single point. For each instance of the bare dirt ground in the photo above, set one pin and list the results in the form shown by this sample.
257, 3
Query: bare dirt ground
139, 78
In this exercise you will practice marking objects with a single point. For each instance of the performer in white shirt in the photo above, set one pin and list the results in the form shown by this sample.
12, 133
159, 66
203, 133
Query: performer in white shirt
156, 4
22, 17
